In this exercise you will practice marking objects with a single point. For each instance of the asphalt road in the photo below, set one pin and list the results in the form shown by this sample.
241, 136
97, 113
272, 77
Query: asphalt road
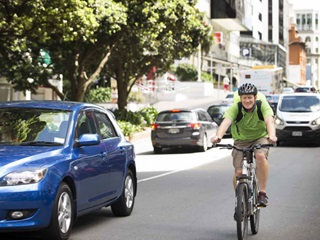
180, 198
189, 196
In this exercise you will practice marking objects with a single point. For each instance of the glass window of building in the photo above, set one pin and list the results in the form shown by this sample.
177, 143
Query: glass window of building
316, 20
309, 21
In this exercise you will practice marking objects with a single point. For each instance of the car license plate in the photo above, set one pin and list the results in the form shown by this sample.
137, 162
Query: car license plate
173, 130
297, 134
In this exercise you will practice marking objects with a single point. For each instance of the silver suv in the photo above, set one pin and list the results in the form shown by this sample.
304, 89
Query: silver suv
298, 117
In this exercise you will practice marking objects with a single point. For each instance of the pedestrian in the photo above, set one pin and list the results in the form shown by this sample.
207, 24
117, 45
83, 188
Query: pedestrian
226, 82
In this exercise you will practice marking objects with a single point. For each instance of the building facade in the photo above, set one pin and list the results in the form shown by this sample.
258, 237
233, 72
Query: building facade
307, 24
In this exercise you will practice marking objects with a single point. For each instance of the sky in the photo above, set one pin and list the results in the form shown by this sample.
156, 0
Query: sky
305, 3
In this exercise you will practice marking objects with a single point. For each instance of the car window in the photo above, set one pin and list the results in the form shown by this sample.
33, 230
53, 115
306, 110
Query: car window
300, 104
84, 124
27, 125
202, 116
105, 126
174, 116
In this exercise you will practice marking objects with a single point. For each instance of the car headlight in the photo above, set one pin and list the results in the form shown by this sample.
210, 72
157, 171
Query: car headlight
278, 121
23, 177
316, 122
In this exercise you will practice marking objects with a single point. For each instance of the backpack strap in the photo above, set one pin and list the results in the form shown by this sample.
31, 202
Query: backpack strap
240, 115
259, 102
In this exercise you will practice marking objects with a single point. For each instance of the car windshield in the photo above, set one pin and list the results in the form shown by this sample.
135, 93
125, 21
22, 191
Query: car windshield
175, 116
300, 104
33, 126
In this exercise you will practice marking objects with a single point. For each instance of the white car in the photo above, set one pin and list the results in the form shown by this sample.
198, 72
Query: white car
228, 99
298, 117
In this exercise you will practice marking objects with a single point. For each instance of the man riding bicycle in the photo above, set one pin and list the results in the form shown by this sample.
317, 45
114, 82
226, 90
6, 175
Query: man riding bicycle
250, 130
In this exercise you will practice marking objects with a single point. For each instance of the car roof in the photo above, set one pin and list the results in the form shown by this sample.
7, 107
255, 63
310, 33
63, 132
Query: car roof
300, 94
47, 104
181, 110
220, 105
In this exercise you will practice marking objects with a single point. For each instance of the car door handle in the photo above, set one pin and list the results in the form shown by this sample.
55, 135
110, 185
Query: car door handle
103, 154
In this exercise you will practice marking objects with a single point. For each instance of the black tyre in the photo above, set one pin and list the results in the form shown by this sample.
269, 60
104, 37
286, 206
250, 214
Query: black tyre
241, 215
62, 215
157, 150
124, 206
255, 217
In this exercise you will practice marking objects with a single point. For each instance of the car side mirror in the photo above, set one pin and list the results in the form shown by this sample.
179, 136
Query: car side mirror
87, 139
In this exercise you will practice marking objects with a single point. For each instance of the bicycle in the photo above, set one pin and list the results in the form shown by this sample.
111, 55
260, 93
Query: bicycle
247, 191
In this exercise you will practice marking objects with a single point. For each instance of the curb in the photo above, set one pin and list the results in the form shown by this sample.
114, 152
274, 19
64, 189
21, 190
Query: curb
140, 135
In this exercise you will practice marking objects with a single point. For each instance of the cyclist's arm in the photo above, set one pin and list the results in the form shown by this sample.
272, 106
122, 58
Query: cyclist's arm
269, 120
225, 124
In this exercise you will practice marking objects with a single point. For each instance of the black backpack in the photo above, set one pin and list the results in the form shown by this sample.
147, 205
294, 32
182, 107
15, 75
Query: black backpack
240, 115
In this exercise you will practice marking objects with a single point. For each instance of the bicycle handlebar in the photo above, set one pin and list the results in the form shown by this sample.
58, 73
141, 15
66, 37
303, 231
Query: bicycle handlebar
251, 148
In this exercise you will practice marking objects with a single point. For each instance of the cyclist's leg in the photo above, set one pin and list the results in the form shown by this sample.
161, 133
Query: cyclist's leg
261, 156
237, 164
237, 158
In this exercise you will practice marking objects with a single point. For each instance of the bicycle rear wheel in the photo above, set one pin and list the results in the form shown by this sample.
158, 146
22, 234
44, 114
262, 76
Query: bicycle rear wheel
255, 217
241, 215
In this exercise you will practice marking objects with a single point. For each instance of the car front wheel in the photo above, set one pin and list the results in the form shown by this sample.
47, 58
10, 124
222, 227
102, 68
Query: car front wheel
62, 215
124, 205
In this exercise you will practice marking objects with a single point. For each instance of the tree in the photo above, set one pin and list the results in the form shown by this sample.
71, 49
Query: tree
77, 34
89, 38
157, 33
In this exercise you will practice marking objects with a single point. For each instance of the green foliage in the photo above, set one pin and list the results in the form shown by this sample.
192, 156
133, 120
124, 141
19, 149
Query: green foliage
187, 72
131, 122
128, 128
206, 77
149, 114
98, 95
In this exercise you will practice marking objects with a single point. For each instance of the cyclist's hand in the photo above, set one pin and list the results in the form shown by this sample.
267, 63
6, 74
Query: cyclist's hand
215, 139
273, 139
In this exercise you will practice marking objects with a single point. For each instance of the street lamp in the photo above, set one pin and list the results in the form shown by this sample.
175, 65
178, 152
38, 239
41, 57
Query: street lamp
28, 92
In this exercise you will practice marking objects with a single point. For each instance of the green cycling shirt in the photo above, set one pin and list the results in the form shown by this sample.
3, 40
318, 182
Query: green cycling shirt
250, 127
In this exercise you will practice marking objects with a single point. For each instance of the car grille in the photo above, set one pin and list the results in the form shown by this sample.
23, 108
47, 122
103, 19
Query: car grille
297, 129
297, 122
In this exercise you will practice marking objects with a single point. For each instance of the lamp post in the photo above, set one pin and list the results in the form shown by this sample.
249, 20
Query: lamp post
28, 92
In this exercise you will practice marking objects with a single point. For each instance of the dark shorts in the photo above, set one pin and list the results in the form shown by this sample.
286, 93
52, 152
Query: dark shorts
237, 155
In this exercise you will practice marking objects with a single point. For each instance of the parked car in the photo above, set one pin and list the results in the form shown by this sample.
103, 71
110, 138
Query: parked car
298, 117
216, 112
178, 128
306, 89
273, 100
228, 99
61, 160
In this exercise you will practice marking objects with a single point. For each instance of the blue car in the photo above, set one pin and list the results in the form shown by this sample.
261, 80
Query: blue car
61, 160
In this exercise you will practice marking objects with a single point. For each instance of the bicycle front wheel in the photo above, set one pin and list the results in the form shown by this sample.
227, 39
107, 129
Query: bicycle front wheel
241, 215
255, 217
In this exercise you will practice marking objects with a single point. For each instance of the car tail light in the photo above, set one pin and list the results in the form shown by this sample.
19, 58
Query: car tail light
196, 125
154, 126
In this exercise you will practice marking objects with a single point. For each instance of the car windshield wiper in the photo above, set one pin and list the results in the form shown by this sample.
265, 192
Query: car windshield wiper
40, 143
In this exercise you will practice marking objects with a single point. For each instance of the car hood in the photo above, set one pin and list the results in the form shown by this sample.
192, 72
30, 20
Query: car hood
27, 156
